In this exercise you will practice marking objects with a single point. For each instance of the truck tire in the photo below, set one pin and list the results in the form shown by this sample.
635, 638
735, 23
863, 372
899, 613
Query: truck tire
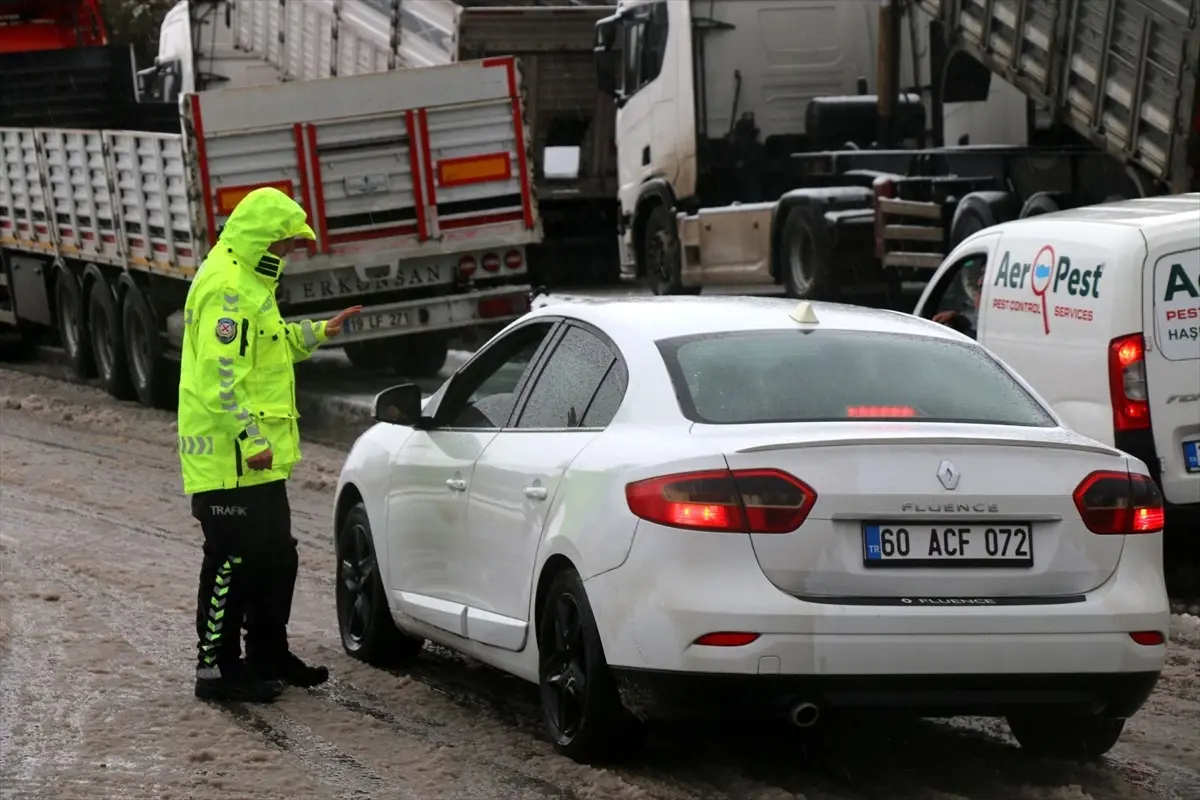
108, 346
73, 329
980, 210
154, 381
806, 256
421, 355
661, 254
367, 356
1043, 203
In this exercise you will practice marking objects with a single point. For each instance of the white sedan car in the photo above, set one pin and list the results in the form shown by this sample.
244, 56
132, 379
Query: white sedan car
739, 506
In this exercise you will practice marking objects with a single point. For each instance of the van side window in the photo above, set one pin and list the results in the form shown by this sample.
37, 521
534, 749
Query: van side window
955, 299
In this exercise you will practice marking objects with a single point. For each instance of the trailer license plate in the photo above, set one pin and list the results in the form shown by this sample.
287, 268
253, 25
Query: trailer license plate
1191, 456
384, 320
1008, 544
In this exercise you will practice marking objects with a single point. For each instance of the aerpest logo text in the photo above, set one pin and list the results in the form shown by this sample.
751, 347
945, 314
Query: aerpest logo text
1052, 276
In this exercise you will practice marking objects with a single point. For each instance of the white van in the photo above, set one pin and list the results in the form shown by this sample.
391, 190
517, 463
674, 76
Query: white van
1099, 309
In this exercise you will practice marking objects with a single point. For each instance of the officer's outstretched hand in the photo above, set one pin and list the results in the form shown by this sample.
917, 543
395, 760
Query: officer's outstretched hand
261, 460
334, 326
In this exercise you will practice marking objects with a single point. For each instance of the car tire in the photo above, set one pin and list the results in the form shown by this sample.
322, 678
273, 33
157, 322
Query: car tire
367, 630
662, 254
1072, 737
108, 346
419, 356
807, 256
581, 707
73, 330
154, 381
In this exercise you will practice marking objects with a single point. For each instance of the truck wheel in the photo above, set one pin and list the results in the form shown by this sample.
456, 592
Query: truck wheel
420, 356
366, 356
72, 328
150, 372
661, 254
1043, 203
980, 210
806, 256
108, 347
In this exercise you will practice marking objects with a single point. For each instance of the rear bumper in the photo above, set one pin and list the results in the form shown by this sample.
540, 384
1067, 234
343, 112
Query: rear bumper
675, 695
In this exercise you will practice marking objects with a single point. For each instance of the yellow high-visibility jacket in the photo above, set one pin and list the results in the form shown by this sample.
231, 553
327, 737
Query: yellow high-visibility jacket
237, 385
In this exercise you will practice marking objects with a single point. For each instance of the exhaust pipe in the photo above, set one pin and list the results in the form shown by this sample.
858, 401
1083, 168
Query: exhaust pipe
804, 714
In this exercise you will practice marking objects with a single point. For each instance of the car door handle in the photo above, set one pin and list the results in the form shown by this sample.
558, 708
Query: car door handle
456, 484
535, 492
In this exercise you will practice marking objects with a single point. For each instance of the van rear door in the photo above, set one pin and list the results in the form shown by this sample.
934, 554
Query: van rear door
1172, 331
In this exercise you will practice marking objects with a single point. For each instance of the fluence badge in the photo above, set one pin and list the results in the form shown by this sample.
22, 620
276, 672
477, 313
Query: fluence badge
226, 330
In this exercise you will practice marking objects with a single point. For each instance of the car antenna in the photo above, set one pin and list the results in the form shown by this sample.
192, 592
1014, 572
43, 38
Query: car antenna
804, 313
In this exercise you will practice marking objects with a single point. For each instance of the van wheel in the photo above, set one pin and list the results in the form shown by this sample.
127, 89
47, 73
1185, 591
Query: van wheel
1070, 737
108, 346
72, 326
150, 373
368, 632
421, 355
662, 255
807, 256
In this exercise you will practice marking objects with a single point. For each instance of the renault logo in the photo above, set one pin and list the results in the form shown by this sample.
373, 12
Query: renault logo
948, 475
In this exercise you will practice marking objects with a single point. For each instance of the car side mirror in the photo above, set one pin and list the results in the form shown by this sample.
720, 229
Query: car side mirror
399, 405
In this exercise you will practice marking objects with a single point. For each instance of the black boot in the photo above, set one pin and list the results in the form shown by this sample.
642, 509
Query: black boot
237, 687
291, 671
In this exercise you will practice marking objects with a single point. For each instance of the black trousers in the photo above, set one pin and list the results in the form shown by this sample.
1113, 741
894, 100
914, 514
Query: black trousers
247, 577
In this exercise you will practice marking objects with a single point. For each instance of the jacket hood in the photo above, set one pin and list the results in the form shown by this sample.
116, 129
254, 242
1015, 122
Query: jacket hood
263, 217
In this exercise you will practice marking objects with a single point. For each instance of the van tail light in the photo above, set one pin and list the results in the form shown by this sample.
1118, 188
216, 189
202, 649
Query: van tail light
738, 501
1119, 503
1127, 383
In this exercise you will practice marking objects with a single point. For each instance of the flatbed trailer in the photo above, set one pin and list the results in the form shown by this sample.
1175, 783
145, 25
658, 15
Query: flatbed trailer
417, 183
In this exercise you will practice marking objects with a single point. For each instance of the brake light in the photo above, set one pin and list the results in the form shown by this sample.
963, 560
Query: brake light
1119, 503
877, 412
467, 266
513, 259
1127, 383
491, 262
739, 501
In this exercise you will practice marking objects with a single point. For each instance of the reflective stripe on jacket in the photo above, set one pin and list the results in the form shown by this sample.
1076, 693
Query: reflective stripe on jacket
237, 385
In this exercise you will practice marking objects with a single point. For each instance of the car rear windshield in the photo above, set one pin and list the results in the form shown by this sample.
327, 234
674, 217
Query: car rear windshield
808, 376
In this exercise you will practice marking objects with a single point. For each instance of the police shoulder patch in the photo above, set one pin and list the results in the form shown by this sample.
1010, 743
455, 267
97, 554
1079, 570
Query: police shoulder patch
227, 330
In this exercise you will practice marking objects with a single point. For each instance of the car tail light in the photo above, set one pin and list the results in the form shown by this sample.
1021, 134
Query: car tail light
467, 266
728, 639
1127, 383
491, 262
1119, 503
1145, 638
739, 501
877, 412
513, 259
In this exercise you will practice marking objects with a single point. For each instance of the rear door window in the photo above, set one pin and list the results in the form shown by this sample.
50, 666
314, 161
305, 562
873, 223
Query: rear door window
809, 376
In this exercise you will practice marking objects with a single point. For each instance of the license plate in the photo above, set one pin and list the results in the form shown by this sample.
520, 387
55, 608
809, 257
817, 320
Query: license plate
381, 321
912, 544
1191, 456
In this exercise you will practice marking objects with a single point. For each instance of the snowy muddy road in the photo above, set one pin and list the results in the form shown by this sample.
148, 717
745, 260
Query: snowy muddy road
98, 565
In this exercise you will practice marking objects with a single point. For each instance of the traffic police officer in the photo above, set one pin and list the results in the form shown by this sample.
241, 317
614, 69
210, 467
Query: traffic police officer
238, 443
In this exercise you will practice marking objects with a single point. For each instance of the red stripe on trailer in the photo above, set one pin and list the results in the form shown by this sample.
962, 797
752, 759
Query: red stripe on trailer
483, 219
302, 173
205, 179
414, 164
523, 163
318, 191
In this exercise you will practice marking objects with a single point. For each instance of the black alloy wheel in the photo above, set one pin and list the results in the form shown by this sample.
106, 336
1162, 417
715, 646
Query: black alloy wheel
364, 620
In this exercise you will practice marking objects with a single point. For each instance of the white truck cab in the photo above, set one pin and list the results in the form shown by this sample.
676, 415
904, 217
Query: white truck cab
1099, 309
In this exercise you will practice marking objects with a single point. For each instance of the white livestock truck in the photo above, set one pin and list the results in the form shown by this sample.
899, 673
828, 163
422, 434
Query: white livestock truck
417, 182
